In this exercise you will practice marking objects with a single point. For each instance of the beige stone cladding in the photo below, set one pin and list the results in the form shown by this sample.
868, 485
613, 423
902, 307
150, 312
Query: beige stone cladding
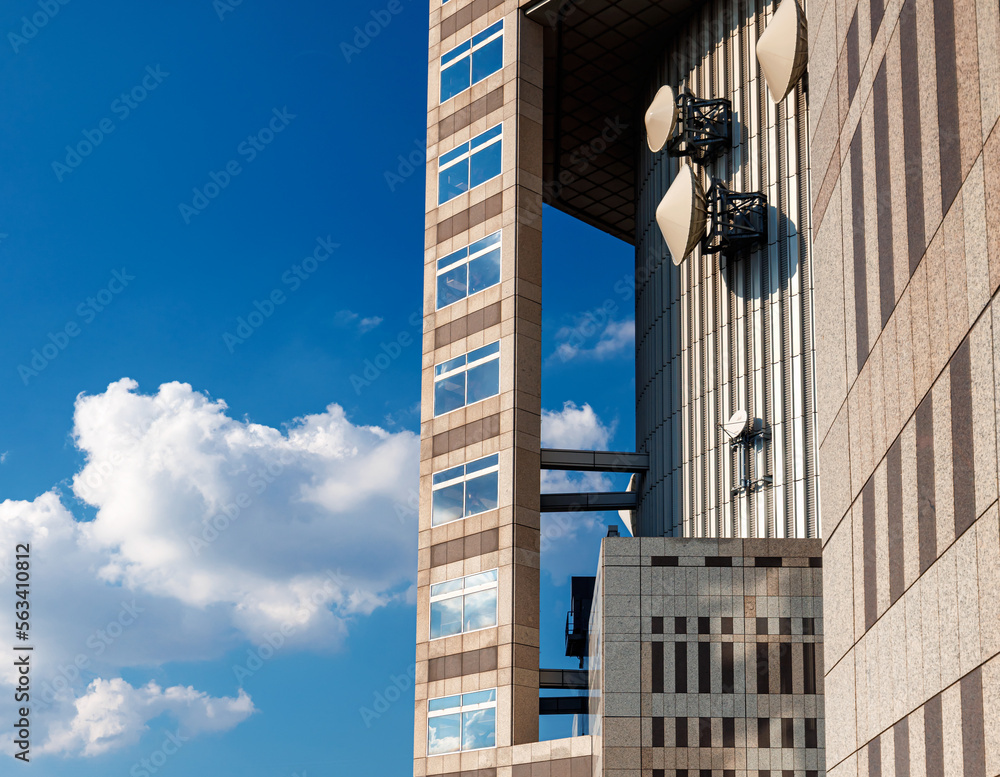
706, 658
906, 217
505, 538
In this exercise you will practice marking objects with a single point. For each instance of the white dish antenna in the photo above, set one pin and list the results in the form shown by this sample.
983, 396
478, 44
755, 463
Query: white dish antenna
783, 49
736, 425
683, 213
661, 118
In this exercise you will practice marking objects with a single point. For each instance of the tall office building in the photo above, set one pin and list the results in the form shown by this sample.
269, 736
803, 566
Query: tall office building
690, 128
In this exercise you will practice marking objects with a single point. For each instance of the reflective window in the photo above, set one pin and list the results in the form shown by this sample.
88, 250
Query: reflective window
466, 490
464, 722
465, 604
470, 164
468, 270
472, 61
467, 379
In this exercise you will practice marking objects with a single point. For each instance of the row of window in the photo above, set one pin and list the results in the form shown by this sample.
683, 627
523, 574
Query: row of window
466, 721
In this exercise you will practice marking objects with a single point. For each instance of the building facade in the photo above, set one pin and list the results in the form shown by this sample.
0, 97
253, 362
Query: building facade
906, 213
852, 324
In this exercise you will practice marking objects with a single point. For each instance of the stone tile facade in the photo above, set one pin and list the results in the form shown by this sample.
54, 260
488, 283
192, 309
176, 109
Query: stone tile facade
906, 212
706, 658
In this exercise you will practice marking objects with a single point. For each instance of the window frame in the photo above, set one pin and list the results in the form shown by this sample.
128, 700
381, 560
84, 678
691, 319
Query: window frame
469, 257
461, 593
461, 709
464, 368
463, 153
466, 50
465, 478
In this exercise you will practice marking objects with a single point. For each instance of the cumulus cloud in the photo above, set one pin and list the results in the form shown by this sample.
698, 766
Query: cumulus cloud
112, 714
595, 335
575, 427
208, 533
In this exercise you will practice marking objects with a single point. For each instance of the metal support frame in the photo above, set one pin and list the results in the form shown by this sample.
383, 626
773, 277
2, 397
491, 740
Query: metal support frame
742, 443
589, 501
563, 679
563, 705
594, 461
704, 128
738, 219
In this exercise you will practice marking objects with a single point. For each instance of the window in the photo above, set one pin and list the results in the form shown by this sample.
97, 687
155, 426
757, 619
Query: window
472, 61
466, 490
464, 722
471, 269
464, 604
470, 164
467, 379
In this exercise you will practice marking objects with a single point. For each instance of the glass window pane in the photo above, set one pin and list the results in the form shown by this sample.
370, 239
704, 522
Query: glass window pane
448, 366
448, 504
487, 60
484, 271
446, 617
488, 32
443, 734
485, 165
479, 729
455, 78
486, 350
447, 587
452, 285
453, 181
455, 153
484, 463
483, 138
480, 610
444, 703
486, 242
451, 258
448, 474
449, 394
482, 578
479, 697
459, 50
484, 381
481, 494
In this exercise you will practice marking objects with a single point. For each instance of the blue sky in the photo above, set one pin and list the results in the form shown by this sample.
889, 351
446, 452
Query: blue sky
166, 175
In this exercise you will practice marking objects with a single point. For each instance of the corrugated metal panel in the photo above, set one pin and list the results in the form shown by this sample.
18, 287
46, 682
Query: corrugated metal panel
712, 339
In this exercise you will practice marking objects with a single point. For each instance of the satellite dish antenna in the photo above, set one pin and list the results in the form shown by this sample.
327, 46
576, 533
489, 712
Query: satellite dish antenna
683, 213
628, 515
736, 425
661, 118
783, 49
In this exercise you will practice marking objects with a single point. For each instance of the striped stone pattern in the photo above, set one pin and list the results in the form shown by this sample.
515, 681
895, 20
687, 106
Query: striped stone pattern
707, 657
507, 539
715, 336
906, 215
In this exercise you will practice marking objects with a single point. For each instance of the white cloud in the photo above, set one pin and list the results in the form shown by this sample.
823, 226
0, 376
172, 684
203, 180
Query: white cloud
348, 318
369, 323
209, 533
196, 506
112, 715
575, 427
614, 338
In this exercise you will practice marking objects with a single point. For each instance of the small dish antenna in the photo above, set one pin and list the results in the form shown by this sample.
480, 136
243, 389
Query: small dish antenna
736, 425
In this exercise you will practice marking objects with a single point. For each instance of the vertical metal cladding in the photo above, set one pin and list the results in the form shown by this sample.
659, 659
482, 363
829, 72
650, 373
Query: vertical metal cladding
714, 336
